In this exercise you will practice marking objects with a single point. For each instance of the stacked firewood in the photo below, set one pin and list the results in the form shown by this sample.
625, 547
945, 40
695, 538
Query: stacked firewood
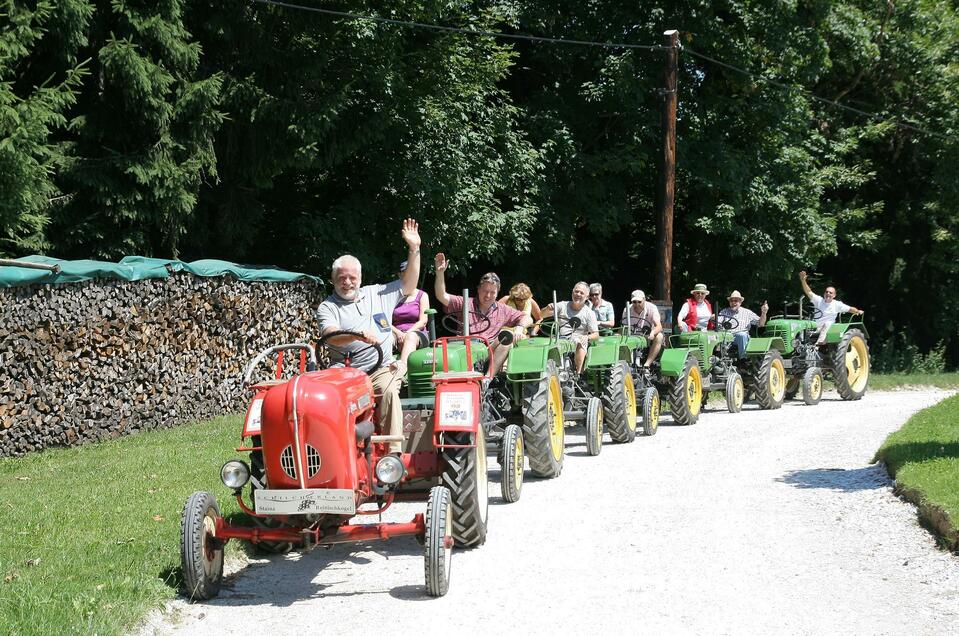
99, 359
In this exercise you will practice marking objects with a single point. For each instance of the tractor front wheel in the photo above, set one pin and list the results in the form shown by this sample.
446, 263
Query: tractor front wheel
850, 365
201, 553
511, 465
770, 382
812, 386
686, 394
735, 392
438, 541
594, 426
544, 428
619, 400
650, 411
464, 474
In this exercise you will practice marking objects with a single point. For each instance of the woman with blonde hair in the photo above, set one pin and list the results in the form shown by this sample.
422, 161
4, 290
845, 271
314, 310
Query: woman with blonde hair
520, 297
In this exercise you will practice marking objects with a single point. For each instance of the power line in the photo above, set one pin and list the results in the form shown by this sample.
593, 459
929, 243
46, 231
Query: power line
449, 29
813, 96
606, 45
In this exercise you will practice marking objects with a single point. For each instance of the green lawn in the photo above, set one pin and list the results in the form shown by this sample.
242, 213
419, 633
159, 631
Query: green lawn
923, 456
889, 381
89, 536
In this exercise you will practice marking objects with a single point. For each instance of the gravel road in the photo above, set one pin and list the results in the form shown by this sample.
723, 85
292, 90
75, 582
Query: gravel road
766, 522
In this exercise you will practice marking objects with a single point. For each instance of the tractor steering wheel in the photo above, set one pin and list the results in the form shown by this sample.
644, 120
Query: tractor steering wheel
727, 323
349, 355
643, 327
454, 322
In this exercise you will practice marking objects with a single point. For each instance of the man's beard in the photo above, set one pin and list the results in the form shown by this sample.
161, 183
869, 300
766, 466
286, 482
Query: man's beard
346, 294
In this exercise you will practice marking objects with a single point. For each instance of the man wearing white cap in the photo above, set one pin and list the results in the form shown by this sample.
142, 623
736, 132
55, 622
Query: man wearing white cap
743, 320
641, 314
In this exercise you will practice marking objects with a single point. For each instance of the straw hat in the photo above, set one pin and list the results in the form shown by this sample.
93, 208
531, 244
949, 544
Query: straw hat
735, 294
699, 287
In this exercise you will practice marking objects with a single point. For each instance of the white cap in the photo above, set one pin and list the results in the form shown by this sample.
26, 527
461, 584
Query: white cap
638, 295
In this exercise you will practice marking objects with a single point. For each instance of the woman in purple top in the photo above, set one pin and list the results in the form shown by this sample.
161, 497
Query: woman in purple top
409, 322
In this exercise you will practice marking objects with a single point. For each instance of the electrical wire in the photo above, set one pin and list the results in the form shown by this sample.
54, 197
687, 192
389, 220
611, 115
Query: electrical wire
813, 96
607, 45
449, 29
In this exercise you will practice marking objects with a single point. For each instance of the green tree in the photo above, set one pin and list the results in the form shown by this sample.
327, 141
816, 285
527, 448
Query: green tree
39, 77
141, 137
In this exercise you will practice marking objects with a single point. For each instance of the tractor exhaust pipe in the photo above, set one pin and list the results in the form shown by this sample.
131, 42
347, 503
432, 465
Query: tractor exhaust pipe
466, 312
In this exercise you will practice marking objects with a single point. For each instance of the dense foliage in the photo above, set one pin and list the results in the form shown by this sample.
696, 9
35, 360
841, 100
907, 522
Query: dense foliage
260, 133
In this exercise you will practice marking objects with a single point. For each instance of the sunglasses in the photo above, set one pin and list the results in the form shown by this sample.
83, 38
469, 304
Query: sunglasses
637, 302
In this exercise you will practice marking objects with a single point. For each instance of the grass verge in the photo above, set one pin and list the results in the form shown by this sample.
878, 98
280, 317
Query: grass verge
891, 381
923, 457
89, 536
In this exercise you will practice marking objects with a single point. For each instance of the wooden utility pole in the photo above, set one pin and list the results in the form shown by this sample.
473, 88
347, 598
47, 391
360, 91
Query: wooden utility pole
667, 177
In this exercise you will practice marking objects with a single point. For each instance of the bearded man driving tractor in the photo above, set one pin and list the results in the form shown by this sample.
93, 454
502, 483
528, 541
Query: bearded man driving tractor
368, 311
486, 317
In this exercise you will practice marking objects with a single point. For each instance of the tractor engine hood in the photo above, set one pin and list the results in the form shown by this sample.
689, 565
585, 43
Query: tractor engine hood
309, 429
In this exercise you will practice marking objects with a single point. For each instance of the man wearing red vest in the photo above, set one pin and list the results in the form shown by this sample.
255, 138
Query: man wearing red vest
697, 313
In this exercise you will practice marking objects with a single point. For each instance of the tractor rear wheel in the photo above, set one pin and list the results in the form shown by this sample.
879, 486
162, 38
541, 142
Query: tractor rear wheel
686, 394
812, 386
201, 553
650, 411
511, 464
619, 400
438, 541
770, 382
735, 392
464, 474
793, 384
594, 426
543, 430
850, 365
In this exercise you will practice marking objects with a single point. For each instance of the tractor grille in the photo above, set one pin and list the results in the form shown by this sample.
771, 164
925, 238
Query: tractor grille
421, 385
313, 461
287, 463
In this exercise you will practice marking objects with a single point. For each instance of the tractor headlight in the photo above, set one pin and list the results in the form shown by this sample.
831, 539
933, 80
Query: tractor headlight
389, 470
235, 474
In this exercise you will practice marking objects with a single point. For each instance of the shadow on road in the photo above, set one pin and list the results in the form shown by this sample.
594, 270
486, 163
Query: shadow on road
842, 479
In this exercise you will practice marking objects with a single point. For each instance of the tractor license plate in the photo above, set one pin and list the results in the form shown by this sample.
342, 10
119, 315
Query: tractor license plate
336, 501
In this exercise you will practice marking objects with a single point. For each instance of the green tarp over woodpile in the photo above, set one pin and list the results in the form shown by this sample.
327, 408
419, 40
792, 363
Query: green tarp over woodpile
137, 268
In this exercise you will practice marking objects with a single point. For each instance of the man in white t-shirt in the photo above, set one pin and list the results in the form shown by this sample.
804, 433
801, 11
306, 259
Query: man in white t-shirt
588, 328
828, 305
641, 314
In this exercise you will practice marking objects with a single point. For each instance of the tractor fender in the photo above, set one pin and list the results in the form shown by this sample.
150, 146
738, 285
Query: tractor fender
759, 346
529, 359
603, 354
672, 362
837, 329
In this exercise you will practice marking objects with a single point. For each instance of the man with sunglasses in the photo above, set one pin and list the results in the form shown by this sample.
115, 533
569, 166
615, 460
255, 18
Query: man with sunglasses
602, 309
640, 315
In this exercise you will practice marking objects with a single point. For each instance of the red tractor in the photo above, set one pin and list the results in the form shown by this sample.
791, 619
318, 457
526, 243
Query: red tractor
317, 463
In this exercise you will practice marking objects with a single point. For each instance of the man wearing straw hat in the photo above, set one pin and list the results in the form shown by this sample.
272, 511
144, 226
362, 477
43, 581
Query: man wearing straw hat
744, 319
696, 313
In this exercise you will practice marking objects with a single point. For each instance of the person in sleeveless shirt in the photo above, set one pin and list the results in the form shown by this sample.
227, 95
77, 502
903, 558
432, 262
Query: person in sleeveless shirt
521, 297
409, 321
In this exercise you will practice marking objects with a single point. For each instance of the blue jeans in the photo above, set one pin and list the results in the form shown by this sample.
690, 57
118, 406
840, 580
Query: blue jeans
740, 338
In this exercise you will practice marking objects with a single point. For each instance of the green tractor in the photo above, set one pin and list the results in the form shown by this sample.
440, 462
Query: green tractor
695, 364
635, 339
521, 408
790, 340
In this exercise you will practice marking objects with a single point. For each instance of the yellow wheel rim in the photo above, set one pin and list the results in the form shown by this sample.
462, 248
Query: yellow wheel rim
815, 387
739, 393
630, 402
777, 380
654, 411
857, 364
518, 461
554, 413
599, 427
694, 391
